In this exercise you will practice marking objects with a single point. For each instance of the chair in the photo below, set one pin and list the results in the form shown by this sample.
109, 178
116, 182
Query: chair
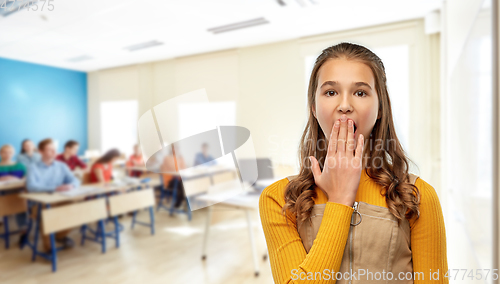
9, 205
86, 178
165, 194
194, 186
70, 216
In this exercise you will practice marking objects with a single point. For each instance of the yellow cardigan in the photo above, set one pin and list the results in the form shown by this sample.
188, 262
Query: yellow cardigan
286, 251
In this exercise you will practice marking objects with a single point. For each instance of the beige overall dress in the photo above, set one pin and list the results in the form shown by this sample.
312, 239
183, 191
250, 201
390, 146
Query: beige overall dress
375, 244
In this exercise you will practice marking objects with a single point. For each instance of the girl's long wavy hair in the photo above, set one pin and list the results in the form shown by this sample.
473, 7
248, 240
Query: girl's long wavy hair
387, 163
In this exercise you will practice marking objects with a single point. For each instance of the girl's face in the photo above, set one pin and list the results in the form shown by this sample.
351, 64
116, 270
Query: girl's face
29, 146
346, 86
6, 154
137, 150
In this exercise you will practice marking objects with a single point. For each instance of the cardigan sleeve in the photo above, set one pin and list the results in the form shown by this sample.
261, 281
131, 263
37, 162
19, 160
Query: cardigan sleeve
289, 261
428, 237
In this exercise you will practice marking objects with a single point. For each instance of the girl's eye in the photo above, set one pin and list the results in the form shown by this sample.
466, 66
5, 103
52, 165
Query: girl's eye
361, 93
330, 93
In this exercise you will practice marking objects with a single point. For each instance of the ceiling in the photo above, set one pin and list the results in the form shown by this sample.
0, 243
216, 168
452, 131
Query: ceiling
100, 30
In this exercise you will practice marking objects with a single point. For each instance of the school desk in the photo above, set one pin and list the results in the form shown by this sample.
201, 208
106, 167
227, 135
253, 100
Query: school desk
202, 177
246, 200
72, 215
12, 184
10, 204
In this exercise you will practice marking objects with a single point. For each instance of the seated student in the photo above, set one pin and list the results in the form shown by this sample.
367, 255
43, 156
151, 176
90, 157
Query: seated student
10, 170
204, 157
69, 156
28, 153
171, 163
49, 175
135, 160
102, 169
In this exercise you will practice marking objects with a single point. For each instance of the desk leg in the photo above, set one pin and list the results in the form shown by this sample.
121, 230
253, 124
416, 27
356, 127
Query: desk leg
103, 235
53, 252
174, 196
152, 220
134, 214
188, 208
205, 235
117, 232
30, 225
252, 242
37, 231
162, 195
6, 231
97, 232
83, 231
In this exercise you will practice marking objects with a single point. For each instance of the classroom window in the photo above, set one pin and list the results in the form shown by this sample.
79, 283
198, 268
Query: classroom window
191, 124
119, 125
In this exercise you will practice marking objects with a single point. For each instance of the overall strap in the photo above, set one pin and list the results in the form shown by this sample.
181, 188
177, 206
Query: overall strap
413, 178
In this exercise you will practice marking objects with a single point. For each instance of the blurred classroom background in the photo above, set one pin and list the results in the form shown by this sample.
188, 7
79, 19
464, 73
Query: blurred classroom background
86, 71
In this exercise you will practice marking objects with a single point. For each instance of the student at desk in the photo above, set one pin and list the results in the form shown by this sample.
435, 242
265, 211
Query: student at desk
28, 153
69, 156
49, 175
10, 170
102, 169
204, 157
173, 163
135, 160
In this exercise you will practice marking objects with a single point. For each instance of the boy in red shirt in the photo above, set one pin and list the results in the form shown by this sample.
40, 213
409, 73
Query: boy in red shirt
69, 156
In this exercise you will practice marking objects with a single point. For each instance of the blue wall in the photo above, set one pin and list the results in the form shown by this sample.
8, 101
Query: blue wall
39, 102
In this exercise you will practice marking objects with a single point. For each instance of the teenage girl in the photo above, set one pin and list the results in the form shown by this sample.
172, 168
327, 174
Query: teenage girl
353, 204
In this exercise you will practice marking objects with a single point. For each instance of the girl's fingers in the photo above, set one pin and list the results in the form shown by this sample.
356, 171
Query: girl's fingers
315, 167
360, 146
350, 139
332, 144
342, 139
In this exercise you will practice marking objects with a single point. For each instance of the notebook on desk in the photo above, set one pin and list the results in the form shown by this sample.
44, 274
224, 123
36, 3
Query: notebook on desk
79, 191
125, 181
10, 181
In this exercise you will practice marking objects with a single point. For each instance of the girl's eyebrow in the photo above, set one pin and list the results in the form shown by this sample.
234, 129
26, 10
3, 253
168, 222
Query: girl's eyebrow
357, 84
